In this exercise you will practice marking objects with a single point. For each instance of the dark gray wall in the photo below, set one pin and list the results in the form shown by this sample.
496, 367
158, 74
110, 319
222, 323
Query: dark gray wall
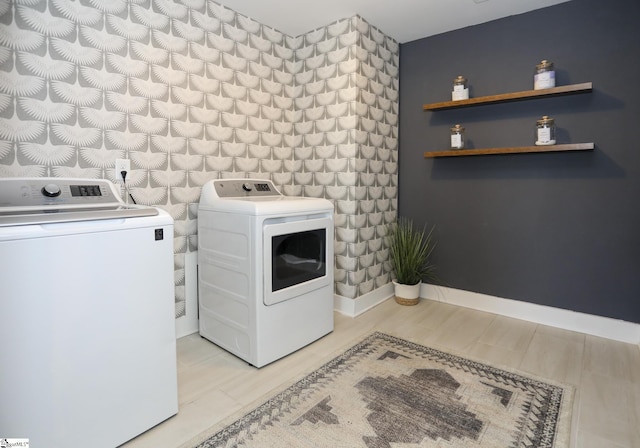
557, 229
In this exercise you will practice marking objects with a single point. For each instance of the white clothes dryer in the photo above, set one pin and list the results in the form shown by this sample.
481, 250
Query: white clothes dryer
265, 269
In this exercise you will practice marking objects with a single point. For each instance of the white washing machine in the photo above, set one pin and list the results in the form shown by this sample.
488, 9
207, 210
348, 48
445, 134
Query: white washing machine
265, 269
87, 339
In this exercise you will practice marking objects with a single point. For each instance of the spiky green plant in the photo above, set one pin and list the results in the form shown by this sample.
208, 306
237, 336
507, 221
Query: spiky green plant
410, 250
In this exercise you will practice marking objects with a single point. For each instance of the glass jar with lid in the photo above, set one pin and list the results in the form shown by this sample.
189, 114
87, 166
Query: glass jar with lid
545, 76
457, 137
546, 131
460, 89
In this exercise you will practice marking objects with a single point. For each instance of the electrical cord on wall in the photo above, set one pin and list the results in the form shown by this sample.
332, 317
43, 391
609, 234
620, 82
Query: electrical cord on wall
124, 183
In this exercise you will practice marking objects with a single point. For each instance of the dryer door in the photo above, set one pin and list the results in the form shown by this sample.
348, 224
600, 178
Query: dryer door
297, 257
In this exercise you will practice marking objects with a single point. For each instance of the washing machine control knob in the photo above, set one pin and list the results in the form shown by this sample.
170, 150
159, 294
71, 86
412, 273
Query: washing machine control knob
51, 190
247, 186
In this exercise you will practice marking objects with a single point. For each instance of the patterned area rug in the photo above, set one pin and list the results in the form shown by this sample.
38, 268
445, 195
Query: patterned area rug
389, 392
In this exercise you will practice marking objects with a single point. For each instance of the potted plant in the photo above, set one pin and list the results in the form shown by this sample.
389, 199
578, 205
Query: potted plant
410, 250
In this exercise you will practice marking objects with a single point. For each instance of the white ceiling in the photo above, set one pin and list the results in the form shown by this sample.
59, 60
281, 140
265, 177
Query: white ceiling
403, 20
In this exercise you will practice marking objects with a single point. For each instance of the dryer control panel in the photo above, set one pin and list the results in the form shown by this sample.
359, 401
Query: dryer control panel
239, 188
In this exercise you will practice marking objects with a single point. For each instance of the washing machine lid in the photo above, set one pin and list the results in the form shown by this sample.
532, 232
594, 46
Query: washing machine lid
27, 201
256, 197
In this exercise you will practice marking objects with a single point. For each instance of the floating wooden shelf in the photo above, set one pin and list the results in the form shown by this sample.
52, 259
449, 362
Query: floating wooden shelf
514, 96
512, 150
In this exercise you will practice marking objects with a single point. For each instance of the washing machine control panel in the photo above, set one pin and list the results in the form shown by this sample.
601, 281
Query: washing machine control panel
25, 201
24, 193
238, 188
54, 190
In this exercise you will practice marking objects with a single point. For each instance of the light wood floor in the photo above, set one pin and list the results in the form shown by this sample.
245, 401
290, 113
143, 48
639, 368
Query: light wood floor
214, 384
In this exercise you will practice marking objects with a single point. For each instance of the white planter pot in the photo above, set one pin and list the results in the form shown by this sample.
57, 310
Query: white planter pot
407, 294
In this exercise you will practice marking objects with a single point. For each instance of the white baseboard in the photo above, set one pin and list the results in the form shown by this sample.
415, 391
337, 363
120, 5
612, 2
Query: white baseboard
357, 306
605, 327
618, 330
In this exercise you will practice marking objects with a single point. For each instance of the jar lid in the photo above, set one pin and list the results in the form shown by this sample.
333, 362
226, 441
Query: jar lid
457, 128
460, 79
544, 64
545, 121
